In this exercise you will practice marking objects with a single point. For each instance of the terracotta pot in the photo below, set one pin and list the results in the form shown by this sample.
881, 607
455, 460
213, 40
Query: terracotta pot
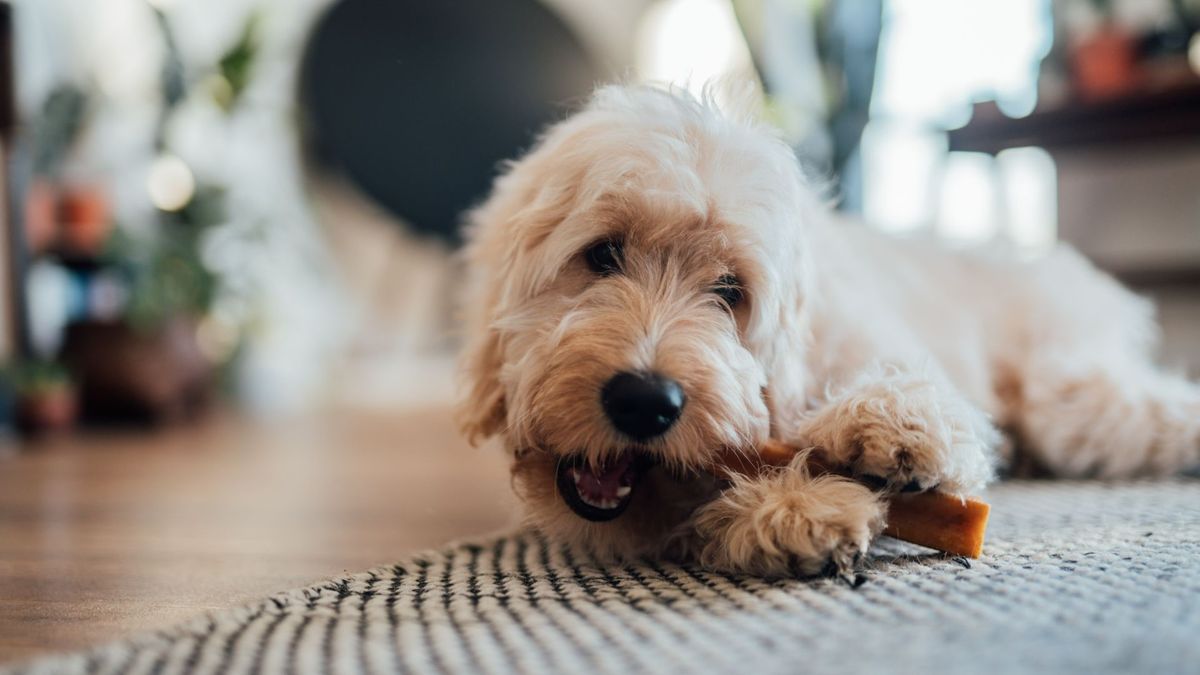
125, 374
1105, 64
84, 214
53, 409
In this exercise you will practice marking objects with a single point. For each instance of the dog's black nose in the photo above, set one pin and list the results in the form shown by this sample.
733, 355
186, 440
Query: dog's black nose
642, 405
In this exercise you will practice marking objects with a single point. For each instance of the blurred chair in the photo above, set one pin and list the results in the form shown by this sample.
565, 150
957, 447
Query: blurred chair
408, 111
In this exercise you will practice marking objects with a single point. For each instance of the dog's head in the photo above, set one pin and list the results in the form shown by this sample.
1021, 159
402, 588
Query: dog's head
635, 304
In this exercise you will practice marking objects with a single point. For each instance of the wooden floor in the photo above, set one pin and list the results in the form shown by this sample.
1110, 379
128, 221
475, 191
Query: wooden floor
103, 536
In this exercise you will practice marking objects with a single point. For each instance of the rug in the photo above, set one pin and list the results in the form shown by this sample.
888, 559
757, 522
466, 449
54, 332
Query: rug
1076, 577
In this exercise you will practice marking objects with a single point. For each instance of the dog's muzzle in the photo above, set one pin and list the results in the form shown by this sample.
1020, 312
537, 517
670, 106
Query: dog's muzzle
601, 493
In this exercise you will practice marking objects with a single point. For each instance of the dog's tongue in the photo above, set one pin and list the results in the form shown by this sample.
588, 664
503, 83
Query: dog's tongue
605, 485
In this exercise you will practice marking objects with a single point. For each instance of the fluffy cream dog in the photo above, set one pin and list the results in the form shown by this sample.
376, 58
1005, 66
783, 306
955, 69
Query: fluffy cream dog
654, 282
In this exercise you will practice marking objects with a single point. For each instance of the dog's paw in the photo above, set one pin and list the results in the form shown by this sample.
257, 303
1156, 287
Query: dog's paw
903, 434
786, 523
896, 456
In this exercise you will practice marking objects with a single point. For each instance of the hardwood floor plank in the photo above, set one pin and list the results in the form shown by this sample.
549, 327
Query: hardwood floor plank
107, 534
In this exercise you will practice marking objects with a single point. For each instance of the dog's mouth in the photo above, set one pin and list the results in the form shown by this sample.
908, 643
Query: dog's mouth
601, 493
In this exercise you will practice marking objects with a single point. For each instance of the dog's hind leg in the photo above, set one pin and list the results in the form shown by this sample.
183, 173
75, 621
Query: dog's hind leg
1086, 398
1110, 420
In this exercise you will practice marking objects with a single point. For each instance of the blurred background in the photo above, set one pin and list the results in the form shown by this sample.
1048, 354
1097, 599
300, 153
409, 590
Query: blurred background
255, 203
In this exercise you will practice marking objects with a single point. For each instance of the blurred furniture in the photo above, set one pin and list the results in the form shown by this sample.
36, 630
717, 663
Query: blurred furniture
1126, 132
106, 535
407, 112
157, 375
417, 103
1167, 115
1128, 172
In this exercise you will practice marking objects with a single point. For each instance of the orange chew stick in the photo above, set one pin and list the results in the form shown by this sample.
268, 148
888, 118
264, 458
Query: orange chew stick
933, 519
941, 521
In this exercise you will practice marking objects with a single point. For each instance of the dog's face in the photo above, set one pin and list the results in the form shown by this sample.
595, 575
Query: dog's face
631, 297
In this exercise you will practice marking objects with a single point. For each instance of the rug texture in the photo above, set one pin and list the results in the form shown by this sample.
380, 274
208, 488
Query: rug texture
1076, 577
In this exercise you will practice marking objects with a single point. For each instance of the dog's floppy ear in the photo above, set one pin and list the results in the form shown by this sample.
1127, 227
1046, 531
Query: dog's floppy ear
780, 332
527, 202
779, 342
482, 410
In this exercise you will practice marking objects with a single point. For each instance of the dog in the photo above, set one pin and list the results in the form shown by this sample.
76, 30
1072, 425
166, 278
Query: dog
655, 281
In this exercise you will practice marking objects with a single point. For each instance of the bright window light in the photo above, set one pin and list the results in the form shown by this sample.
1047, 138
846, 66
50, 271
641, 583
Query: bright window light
967, 209
689, 43
938, 56
1028, 180
899, 167
936, 59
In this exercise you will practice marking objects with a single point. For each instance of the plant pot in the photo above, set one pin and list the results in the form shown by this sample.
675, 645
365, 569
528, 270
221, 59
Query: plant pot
84, 214
47, 410
125, 374
1105, 64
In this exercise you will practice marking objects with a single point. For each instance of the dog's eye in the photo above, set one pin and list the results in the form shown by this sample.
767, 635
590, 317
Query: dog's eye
729, 289
604, 257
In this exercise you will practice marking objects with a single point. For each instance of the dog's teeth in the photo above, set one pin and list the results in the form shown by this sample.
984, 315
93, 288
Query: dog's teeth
624, 491
601, 503
575, 474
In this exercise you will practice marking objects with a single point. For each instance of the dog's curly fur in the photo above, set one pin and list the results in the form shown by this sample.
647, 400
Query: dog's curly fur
895, 358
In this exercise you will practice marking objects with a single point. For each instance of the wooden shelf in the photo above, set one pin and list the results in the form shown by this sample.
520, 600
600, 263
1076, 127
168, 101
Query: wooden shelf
1167, 115
1172, 276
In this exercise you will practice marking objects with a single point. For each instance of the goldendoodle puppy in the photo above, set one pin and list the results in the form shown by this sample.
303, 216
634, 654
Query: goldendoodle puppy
654, 282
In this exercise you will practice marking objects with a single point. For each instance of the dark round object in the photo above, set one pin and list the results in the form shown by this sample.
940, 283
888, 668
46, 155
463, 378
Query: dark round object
604, 258
418, 102
642, 405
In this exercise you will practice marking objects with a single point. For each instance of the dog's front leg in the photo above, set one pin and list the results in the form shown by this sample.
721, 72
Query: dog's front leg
788, 522
901, 431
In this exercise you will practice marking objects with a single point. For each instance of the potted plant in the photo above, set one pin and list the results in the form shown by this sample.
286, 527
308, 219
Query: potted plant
1104, 62
146, 360
147, 364
44, 397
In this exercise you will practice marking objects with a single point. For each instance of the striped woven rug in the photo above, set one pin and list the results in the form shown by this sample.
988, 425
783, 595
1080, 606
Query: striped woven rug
1077, 577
